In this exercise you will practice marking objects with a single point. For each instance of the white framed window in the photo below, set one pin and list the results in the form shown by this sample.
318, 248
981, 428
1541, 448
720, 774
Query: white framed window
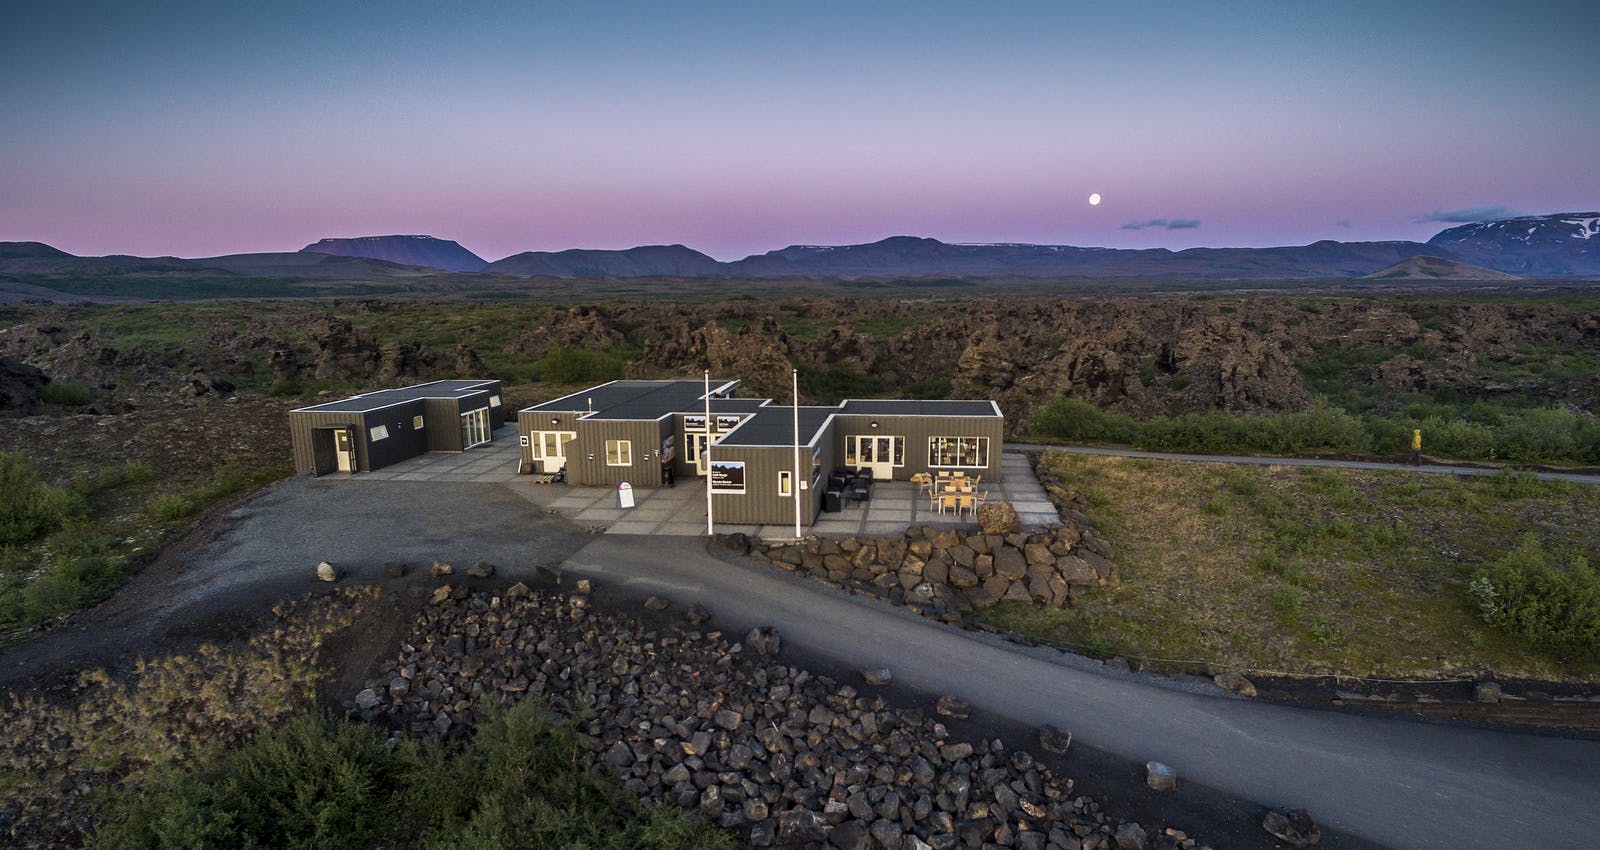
785, 483
553, 444
380, 432
417, 423
619, 453
964, 452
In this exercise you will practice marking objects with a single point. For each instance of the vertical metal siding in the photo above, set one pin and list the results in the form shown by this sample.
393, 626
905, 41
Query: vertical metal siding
586, 455
917, 430
403, 442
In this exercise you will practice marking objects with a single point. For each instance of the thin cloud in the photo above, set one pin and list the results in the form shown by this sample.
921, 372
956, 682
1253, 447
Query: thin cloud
1163, 223
1467, 215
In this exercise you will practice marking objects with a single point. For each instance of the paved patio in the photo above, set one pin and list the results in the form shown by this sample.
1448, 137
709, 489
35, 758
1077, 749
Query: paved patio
492, 463
681, 511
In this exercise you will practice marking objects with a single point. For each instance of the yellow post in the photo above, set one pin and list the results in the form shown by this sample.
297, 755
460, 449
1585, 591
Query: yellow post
1416, 446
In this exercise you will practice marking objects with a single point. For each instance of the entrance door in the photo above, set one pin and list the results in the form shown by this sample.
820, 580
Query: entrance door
475, 428
344, 450
553, 448
880, 454
697, 452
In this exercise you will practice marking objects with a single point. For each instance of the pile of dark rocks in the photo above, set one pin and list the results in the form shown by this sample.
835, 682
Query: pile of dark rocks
946, 573
778, 755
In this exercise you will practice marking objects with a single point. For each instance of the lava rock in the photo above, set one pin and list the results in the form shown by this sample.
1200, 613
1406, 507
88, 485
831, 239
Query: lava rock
1160, 777
328, 572
877, 676
1294, 828
1235, 683
1053, 740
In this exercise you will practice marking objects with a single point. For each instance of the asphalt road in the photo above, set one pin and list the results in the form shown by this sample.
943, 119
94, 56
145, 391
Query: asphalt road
1253, 460
1396, 782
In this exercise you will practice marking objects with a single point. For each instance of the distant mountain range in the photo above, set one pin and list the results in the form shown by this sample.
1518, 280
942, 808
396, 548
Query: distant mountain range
424, 251
1565, 244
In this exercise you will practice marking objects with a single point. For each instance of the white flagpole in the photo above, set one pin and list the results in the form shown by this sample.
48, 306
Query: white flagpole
710, 528
794, 486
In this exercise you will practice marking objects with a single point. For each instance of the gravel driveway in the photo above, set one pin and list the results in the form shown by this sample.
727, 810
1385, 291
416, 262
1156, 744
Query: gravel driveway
265, 550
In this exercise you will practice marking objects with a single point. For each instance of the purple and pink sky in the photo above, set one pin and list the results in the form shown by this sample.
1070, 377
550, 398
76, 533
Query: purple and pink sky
202, 128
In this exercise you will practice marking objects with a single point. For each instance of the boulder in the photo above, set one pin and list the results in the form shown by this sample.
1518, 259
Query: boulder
850, 835
738, 542
1010, 563
656, 603
697, 614
1487, 692
801, 826
482, 569
764, 640
1039, 554
1053, 740
440, 568
1235, 683
1131, 836
1294, 828
1159, 776
518, 591
1076, 570
999, 518
877, 676
368, 699
328, 572
953, 707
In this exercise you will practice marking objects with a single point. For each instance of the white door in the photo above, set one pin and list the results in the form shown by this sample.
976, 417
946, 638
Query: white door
697, 452
880, 454
553, 449
344, 450
475, 428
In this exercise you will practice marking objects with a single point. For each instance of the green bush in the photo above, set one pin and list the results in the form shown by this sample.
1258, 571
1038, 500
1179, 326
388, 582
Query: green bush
168, 508
68, 393
1075, 419
1551, 602
836, 383
83, 570
1319, 427
30, 508
317, 782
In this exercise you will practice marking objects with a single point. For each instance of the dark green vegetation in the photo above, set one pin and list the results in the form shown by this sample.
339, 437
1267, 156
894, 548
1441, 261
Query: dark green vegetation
1334, 572
67, 393
519, 780
83, 510
1481, 432
1546, 599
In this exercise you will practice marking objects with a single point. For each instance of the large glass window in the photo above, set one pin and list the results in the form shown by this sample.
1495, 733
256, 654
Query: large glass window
958, 451
619, 452
553, 444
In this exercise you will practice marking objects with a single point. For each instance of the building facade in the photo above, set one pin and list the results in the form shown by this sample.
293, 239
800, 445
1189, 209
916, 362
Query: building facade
373, 430
649, 433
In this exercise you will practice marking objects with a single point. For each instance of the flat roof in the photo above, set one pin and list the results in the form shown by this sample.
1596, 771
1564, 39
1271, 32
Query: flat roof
379, 399
643, 400
912, 407
773, 425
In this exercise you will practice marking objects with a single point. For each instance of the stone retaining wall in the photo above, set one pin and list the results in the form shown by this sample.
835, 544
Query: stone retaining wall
945, 573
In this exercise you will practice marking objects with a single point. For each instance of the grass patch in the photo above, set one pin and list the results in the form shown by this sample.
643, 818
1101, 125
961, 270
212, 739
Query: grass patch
29, 507
1322, 571
1548, 600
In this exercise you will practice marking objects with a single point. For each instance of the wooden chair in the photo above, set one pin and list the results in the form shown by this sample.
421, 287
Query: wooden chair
966, 503
950, 502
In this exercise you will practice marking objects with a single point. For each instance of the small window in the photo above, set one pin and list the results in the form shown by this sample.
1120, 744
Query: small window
785, 483
494, 401
619, 453
416, 422
380, 432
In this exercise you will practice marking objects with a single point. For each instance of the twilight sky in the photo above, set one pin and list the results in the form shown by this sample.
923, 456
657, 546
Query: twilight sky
202, 128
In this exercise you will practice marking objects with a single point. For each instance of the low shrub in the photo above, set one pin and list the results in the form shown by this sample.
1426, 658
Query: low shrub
580, 366
67, 393
319, 782
1548, 600
30, 508
1076, 419
168, 508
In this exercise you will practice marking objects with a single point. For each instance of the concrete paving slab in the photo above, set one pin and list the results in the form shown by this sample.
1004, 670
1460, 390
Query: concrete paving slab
632, 527
600, 514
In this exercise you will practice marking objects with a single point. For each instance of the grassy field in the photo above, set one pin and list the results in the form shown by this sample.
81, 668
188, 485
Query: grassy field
1310, 570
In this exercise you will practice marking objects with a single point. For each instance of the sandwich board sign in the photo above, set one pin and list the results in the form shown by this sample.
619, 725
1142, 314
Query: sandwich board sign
624, 495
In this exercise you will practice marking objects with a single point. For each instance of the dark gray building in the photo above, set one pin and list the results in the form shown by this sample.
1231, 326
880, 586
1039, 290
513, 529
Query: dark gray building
643, 431
370, 431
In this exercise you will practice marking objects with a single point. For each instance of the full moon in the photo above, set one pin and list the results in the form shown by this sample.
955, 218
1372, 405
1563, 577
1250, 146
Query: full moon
1094, 199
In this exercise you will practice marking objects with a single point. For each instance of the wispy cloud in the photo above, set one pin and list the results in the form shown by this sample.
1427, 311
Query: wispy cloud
1468, 214
1167, 223
1343, 222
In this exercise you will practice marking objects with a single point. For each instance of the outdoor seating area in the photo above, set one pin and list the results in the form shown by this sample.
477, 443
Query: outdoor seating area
847, 486
951, 491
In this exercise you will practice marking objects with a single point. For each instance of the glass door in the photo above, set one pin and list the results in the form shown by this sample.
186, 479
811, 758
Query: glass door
697, 452
475, 428
880, 454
